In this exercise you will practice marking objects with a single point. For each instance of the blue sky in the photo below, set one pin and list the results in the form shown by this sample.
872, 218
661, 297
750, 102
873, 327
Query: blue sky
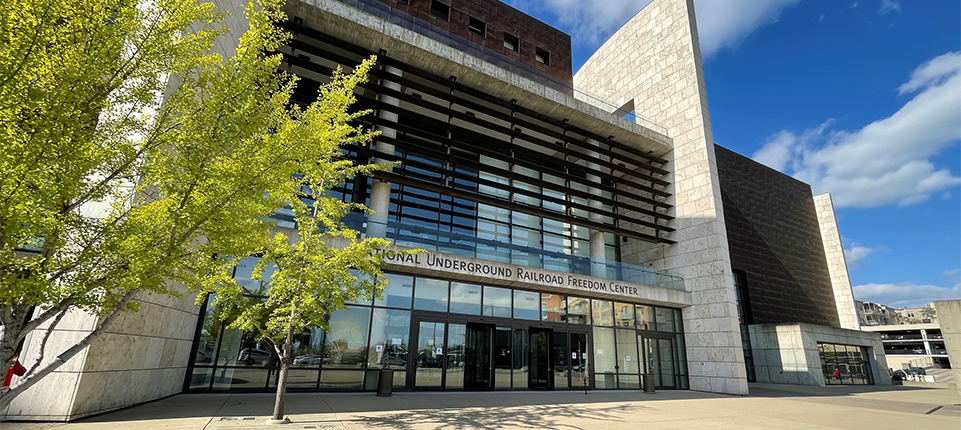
861, 99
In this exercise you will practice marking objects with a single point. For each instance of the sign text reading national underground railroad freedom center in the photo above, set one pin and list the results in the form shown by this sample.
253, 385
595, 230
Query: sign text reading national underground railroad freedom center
511, 272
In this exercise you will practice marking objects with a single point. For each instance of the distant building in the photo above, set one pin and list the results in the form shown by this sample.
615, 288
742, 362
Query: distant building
915, 345
870, 314
921, 315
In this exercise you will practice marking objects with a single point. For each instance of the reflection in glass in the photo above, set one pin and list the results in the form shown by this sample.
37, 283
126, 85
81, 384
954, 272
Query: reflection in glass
561, 359
456, 341
465, 298
430, 355
241, 349
388, 339
553, 307
497, 302
341, 379
431, 295
664, 318
605, 358
207, 342
200, 378
666, 361
627, 351
398, 293
300, 378
346, 344
645, 317
578, 310
308, 349
526, 305
240, 378
581, 363
624, 315
602, 313
244, 275
502, 358
521, 358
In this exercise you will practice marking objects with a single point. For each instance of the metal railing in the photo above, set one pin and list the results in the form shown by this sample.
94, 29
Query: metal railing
433, 239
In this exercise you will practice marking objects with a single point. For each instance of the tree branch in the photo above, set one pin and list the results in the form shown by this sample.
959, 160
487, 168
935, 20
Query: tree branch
8, 396
43, 343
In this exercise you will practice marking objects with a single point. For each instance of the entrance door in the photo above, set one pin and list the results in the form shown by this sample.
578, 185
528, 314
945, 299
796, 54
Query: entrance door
477, 358
561, 358
428, 368
580, 361
541, 376
659, 360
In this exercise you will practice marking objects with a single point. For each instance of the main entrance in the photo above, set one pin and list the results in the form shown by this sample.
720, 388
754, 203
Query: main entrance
486, 356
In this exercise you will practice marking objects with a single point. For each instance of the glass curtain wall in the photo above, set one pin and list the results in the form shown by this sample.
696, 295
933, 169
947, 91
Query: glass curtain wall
844, 364
366, 337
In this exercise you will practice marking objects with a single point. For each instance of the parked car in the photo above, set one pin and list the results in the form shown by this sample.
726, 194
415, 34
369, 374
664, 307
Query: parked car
251, 356
309, 360
394, 359
202, 357
916, 371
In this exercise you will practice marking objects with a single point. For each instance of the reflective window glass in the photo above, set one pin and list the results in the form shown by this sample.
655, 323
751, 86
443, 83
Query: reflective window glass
526, 305
430, 294
605, 358
578, 310
346, 344
389, 334
308, 349
553, 307
398, 293
624, 315
664, 318
497, 302
602, 313
645, 317
465, 298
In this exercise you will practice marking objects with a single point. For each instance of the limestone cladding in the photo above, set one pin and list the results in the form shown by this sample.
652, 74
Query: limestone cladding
949, 317
837, 265
654, 60
788, 353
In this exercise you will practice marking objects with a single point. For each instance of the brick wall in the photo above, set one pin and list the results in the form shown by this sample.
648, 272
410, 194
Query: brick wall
774, 237
500, 18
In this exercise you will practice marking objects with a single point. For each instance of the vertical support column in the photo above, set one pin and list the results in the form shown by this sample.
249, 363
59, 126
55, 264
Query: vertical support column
598, 255
380, 190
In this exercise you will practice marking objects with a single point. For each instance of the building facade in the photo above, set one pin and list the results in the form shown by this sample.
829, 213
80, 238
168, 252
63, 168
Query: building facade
569, 246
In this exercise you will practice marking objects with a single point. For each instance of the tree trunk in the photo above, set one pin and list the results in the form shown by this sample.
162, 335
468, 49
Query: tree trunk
285, 359
7, 396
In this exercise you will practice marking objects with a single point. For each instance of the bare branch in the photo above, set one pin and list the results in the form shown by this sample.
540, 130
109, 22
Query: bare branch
43, 343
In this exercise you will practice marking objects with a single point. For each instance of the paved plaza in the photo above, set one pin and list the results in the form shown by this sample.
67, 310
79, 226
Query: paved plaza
768, 406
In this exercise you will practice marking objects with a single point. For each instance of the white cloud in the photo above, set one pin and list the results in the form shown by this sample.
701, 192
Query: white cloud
856, 254
906, 294
933, 72
721, 23
885, 162
890, 6
725, 24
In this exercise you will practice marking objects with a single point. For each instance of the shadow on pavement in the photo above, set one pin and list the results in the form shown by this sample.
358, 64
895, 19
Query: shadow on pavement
531, 417
786, 390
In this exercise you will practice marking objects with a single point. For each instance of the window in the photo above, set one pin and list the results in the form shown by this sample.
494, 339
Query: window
511, 42
440, 10
477, 27
542, 57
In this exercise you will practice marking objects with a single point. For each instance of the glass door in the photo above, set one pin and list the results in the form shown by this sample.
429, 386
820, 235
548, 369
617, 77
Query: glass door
477, 358
580, 361
561, 358
456, 356
659, 360
503, 359
428, 367
541, 377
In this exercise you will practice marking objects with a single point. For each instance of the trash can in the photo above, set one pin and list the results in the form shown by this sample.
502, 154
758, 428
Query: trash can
648, 383
385, 383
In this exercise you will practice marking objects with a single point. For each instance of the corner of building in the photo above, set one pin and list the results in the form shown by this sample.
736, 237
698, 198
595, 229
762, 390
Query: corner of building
659, 45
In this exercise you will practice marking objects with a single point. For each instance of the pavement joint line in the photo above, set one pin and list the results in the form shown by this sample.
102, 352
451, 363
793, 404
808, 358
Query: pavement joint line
934, 410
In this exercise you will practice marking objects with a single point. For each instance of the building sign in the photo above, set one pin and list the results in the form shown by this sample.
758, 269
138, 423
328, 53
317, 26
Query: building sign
507, 272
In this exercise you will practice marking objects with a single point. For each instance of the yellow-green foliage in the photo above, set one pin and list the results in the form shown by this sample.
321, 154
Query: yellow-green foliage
186, 174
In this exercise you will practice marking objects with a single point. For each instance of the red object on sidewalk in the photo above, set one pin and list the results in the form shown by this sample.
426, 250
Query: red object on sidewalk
17, 369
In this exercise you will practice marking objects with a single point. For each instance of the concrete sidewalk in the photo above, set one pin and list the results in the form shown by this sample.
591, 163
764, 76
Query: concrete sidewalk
769, 406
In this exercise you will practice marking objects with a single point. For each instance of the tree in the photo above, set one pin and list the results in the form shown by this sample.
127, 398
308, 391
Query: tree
315, 271
135, 157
